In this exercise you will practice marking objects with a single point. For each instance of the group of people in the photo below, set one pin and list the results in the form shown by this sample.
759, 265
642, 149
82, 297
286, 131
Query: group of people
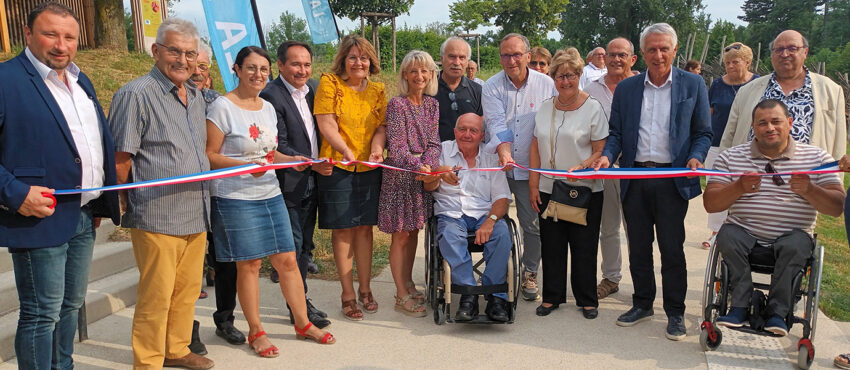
561, 112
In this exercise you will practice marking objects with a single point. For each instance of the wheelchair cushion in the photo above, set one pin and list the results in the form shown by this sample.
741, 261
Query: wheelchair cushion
762, 260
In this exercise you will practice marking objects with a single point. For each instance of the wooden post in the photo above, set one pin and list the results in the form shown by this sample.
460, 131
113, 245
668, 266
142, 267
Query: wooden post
5, 44
722, 47
88, 6
478, 52
704, 49
758, 60
688, 46
394, 58
362, 27
376, 39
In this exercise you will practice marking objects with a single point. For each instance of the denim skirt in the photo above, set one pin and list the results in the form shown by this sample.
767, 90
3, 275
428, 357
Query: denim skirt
349, 199
250, 229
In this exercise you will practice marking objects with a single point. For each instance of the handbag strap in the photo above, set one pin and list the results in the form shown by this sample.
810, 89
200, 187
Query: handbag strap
552, 136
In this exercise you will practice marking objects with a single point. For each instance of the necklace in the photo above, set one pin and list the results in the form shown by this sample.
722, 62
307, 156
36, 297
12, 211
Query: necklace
567, 104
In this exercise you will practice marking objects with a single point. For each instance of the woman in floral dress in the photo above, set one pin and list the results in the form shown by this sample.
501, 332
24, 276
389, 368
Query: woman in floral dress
413, 143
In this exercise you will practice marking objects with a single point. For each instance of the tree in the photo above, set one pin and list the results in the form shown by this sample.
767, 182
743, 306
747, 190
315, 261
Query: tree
109, 29
767, 18
468, 15
128, 29
288, 27
531, 18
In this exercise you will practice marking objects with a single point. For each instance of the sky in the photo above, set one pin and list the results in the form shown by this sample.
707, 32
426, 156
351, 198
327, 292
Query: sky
422, 13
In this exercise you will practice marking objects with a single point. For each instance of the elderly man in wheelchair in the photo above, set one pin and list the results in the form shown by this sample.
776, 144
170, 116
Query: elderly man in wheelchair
466, 201
768, 211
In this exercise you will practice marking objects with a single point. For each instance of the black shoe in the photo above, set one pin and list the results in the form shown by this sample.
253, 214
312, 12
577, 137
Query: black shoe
317, 320
274, 277
676, 328
468, 308
634, 315
311, 308
232, 335
545, 311
496, 309
312, 267
196, 346
590, 313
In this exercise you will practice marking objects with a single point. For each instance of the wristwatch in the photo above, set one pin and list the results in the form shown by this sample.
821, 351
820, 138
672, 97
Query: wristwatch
494, 218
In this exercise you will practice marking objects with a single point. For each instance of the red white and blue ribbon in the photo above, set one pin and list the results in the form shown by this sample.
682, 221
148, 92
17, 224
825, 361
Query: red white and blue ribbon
589, 173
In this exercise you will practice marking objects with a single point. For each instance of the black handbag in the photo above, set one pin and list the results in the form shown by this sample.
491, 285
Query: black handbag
567, 203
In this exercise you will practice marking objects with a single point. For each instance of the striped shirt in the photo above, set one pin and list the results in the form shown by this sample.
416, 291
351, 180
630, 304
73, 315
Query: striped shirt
773, 210
509, 114
164, 138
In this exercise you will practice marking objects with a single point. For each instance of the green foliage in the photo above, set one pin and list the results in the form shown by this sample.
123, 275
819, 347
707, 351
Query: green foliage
289, 27
351, 9
587, 24
470, 14
767, 18
837, 60
128, 28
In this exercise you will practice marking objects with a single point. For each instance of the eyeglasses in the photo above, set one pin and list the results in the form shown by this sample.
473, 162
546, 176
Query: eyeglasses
618, 55
203, 67
351, 59
535, 63
731, 47
507, 57
172, 52
453, 98
254, 70
777, 180
567, 76
789, 49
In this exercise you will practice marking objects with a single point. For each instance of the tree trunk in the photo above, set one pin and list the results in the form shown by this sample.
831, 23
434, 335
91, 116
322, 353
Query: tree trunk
109, 25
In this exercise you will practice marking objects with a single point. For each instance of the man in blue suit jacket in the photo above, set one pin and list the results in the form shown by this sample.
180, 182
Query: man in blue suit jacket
292, 95
53, 135
659, 118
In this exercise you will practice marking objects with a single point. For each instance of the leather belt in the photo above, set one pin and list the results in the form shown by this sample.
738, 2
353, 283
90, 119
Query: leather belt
651, 164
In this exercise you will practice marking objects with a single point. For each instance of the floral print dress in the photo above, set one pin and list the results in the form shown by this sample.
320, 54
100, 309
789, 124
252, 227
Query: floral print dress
412, 141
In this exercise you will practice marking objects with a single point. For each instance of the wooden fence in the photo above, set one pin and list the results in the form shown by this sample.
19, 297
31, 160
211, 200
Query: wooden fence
14, 19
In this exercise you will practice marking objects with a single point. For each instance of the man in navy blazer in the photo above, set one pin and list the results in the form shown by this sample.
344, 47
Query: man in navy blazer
53, 135
659, 118
292, 95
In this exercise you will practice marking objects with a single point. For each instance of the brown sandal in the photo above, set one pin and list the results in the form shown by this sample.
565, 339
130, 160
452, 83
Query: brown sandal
417, 294
606, 287
370, 305
353, 313
415, 310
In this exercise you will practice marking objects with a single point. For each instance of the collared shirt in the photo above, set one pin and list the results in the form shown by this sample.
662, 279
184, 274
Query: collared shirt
477, 191
600, 91
80, 114
210, 95
589, 73
300, 98
467, 99
478, 81
509, 114
654, 130
774, 209
801, 106
165, 138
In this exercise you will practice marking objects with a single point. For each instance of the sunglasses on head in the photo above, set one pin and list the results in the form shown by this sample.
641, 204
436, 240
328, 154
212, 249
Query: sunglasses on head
730, 47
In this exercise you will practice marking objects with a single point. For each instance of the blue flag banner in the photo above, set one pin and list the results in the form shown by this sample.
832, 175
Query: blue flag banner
320, 20
231, 26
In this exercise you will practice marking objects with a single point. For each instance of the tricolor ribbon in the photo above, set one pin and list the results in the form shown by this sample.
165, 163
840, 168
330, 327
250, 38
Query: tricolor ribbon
588, 173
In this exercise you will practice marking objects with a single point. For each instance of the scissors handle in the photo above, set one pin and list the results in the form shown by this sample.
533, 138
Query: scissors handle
48, 195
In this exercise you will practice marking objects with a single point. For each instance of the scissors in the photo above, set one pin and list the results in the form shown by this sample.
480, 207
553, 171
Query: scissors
48, 195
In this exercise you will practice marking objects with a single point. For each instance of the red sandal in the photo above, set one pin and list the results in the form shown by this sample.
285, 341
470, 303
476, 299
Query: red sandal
266, 353
328, 338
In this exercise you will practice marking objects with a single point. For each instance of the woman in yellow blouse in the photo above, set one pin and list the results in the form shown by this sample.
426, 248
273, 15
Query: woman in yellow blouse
349, 110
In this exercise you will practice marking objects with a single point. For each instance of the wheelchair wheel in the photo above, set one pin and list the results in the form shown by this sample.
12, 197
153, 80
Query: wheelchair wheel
709, 290
516, 255
710, 337
813, 291
805, 354
440, 313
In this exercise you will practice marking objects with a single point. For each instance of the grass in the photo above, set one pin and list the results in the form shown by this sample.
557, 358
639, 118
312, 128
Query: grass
835, 283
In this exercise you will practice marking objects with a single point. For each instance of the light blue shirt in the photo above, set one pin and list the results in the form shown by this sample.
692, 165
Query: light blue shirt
509, 114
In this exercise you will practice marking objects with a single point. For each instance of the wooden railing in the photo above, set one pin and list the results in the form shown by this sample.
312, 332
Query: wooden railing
13, 18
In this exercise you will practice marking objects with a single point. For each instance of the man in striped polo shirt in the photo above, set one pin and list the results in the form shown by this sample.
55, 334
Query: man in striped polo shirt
776, 212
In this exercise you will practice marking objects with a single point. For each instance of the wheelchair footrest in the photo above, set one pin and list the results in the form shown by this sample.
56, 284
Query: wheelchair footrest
481, 320
479, 290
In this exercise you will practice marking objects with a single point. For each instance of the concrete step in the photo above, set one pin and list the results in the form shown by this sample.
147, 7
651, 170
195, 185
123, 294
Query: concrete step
109, 258
105, 296
103, 232
5, 260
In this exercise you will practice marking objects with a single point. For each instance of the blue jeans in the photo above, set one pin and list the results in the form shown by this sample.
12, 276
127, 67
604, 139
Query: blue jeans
52, 286
453, 246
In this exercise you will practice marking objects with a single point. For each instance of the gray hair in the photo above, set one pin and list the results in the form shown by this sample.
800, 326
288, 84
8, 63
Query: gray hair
181, 26
455, 38
521, 37
202, 46
631, 45
805, 41
590, 53
662, 28
415, 58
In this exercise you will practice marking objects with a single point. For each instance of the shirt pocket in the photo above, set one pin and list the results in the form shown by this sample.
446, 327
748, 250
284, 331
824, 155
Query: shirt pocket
21, 172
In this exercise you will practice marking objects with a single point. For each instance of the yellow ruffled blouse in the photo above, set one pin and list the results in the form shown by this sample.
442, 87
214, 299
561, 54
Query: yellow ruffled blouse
358, 115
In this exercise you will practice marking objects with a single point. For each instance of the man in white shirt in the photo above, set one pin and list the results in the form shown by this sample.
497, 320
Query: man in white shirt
595, 67
619, 59
511, 99
53, 135
472, 201
292, 94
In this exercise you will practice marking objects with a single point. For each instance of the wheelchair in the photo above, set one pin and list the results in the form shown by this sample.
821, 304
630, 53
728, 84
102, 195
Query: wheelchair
806, 285
438, 276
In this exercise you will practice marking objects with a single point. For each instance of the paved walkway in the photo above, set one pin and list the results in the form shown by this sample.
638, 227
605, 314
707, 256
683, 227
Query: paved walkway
563, 339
